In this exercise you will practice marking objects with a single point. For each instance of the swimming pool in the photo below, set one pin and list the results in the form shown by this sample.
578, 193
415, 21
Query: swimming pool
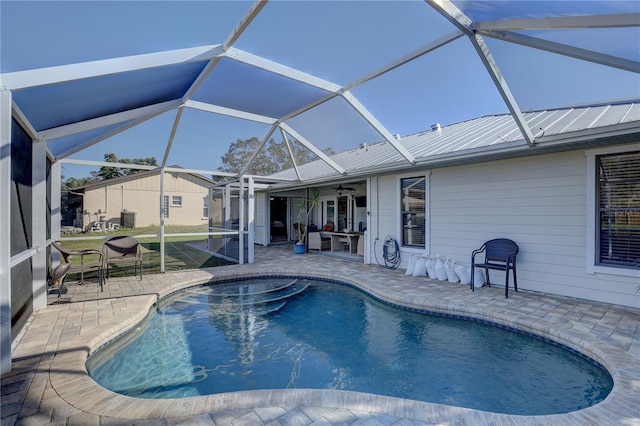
297, 333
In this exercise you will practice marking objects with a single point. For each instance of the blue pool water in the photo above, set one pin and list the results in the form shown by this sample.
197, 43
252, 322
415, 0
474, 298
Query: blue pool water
279, 333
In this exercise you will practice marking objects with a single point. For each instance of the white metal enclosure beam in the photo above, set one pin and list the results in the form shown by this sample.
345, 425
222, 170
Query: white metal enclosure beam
283, 70
311, 147
162, 212
172, 136
107, 120
241, 221
5, 231
251, 219
64, 73
56, 213
201, 78
253, 11
255, 153
39, 224
285, 139
215, 109
430, 47
566, 50
102, 137
108, 164
562, 22
22, 119
244, 23
451, 12
360, 109
199, 172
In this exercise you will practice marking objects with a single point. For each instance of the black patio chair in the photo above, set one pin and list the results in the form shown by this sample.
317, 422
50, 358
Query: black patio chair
499, 254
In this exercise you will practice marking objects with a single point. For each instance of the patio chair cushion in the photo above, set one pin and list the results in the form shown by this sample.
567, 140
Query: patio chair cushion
122, 249
318, 242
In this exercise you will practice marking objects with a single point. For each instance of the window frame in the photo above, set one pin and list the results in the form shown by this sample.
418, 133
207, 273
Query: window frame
174, 198
205, 207
592, 265
166, 206
401, 213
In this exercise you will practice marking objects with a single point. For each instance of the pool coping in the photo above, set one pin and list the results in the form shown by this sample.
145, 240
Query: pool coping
70, 380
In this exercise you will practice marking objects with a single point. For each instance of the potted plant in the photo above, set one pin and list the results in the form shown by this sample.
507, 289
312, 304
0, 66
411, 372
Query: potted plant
305, 207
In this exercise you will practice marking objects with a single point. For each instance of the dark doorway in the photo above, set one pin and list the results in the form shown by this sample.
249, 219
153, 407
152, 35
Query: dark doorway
278, 213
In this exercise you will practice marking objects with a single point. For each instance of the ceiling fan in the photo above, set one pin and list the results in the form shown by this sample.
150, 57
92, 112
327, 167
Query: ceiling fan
340, 189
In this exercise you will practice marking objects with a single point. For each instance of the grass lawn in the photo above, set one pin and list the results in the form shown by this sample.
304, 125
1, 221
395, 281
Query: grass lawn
179, 254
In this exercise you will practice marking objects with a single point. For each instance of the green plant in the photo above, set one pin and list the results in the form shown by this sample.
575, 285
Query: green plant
305, 207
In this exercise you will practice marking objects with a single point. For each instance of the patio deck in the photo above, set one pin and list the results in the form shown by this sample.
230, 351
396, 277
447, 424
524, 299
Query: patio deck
49, 383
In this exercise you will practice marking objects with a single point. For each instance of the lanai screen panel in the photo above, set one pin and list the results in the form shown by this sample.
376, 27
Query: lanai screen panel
341, 41
243, 87
65, 103
60, 146
541, 79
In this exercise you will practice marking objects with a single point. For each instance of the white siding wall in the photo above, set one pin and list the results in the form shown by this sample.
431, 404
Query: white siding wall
385, 216
539, 202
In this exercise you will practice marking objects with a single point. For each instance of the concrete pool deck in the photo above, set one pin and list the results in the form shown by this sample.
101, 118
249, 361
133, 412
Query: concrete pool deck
49, 384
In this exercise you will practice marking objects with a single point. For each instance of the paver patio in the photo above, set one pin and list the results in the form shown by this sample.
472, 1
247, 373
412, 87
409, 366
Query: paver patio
49, 383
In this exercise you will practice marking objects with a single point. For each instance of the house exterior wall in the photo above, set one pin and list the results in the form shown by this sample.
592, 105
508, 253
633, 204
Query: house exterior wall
142, 196
539, 202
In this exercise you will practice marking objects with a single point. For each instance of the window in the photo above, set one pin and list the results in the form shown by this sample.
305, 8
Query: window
205, 207
413, 208
176, 201
166, 206
618, 210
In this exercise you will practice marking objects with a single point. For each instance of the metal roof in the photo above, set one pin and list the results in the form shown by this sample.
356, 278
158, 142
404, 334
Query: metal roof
317, 104
485, 138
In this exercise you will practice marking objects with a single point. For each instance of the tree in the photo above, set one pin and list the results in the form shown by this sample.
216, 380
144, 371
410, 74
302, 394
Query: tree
73, 182
272, 158
107, 172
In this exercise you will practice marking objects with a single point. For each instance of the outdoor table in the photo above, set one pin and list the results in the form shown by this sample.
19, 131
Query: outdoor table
344, 239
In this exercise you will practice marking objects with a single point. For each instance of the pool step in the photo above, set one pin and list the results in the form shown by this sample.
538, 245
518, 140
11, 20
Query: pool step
233, 290
231, 300
250, 309
260, 298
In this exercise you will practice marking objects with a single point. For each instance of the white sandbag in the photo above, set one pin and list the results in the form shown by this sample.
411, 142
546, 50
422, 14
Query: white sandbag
412, 264
420, 269
463, 272
431, 267
452, 277
441, 274
478, 278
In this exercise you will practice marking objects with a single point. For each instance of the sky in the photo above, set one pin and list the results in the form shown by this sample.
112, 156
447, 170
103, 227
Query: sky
336, 41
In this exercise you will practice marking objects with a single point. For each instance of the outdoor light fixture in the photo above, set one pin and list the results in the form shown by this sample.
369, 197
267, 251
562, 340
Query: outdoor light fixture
341, 189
